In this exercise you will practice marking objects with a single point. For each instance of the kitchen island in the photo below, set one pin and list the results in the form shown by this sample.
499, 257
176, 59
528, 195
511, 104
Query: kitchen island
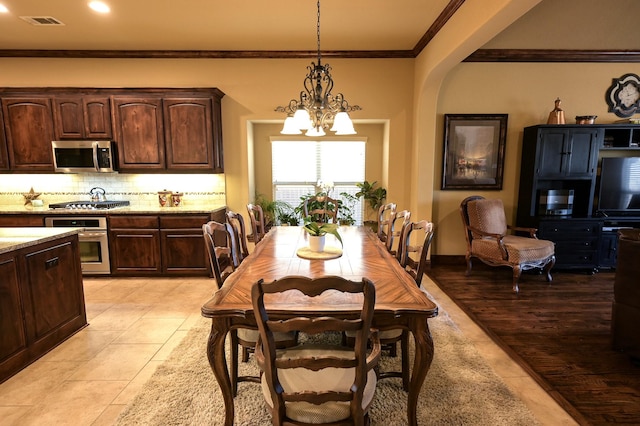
41, 294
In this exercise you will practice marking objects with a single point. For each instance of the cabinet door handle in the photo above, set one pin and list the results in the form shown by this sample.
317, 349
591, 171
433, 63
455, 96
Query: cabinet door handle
51, 263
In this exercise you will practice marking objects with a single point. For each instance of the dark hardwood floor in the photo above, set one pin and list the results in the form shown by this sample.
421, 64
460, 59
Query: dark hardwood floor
560, 332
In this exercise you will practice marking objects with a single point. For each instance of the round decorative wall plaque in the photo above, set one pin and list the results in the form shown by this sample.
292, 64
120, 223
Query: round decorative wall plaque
624, 95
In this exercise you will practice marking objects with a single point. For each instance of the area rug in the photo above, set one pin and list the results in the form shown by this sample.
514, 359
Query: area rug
460, 389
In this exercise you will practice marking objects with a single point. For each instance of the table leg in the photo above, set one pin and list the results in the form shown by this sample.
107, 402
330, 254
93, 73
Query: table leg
421, 365
218, 363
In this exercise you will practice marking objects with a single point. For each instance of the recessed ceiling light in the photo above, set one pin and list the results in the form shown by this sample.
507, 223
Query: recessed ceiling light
99, 7
3, 9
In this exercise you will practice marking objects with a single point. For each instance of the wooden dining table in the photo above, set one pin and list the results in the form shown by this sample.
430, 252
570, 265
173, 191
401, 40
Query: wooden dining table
399, 302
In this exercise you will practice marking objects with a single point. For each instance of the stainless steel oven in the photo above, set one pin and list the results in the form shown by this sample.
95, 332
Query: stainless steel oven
94, 241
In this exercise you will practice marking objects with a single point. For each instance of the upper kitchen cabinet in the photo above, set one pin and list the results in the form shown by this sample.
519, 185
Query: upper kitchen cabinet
193, 136
137, 122
4, 157
28, 123
172, 130
82, 117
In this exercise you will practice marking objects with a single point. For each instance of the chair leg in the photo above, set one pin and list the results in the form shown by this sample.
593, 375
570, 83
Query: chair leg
234, 362
548, 266
404, 349
517, 271
468, 259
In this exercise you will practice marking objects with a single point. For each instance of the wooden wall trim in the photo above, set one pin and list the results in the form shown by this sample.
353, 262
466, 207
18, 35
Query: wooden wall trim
205, 54
553, 55
440, 21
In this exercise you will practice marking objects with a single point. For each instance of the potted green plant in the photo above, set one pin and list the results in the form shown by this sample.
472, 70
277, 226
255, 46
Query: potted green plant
318, 231
345, 208
275, 211
374, 198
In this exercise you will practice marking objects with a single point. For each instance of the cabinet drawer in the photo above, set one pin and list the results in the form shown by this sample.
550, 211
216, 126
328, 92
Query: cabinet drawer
568, 230
133, 222
576, 244
577, 258
177, 222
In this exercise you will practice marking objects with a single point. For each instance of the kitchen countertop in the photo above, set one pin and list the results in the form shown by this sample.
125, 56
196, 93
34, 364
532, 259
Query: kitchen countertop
206, 208
12, 239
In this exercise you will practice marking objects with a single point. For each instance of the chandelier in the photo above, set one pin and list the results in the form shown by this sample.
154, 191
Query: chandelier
317, 107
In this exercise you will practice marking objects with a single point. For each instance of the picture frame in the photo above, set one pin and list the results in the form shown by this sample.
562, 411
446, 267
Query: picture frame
474, 146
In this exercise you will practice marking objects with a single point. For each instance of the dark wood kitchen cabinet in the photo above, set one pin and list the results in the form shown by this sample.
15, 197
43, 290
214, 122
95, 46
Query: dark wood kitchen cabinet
183, 249
165, 131
167, 244
41, 299
28, 123
193, 142
4, 156
134, 245
82, 117
137, 122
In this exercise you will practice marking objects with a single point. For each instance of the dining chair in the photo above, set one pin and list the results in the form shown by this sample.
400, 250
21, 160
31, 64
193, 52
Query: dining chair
258, 227
321, 208
486, 233
237, 223
221, 257
245, 337
396, 225
422, 232
385, 213
317, 383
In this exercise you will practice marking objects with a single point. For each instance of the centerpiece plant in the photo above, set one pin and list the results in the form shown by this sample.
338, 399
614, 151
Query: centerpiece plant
316, 229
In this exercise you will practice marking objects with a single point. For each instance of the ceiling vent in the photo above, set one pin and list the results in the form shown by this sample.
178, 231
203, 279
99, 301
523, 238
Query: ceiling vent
41, 20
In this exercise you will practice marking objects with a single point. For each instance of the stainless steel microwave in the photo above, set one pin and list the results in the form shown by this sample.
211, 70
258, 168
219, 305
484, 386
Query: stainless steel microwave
84, 156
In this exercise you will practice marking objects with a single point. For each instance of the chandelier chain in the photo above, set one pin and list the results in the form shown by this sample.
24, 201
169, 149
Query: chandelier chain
318, 33
317, 108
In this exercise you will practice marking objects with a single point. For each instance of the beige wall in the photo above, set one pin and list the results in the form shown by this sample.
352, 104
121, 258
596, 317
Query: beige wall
253, 88
526, 92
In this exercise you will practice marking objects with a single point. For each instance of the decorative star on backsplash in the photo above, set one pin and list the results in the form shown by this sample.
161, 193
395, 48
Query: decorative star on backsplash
30, 196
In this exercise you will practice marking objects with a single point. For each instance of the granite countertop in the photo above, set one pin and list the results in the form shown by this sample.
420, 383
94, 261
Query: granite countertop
12, 239
205, 208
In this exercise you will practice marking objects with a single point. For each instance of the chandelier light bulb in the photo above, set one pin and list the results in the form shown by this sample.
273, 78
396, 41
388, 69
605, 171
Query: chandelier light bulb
290, 127
342, 124
302, 119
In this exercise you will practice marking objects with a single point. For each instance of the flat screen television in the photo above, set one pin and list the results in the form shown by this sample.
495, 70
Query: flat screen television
619, 193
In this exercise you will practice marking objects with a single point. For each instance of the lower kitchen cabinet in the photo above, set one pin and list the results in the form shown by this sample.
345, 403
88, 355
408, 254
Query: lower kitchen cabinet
134, 245
41, 300
158, 245
183, 249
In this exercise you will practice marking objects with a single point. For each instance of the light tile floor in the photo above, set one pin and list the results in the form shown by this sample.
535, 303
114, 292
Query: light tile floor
134, 325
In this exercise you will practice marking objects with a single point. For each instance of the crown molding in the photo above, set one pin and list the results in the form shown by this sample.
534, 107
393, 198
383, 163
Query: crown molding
553, 55
204, 54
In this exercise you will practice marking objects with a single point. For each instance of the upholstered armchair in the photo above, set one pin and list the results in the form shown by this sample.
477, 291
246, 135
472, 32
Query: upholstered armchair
486, 232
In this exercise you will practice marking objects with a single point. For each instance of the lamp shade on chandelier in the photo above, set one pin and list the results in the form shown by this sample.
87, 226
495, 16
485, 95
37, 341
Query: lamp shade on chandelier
318, 108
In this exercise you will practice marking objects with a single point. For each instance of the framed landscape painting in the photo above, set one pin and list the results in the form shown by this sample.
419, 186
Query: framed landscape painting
474, 151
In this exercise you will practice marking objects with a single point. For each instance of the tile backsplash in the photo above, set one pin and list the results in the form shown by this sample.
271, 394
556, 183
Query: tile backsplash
139, 189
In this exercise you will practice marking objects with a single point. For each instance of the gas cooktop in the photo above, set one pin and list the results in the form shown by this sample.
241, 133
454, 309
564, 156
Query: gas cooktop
89, 205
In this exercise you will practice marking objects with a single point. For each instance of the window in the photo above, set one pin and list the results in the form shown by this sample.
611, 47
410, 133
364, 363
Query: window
298, 166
